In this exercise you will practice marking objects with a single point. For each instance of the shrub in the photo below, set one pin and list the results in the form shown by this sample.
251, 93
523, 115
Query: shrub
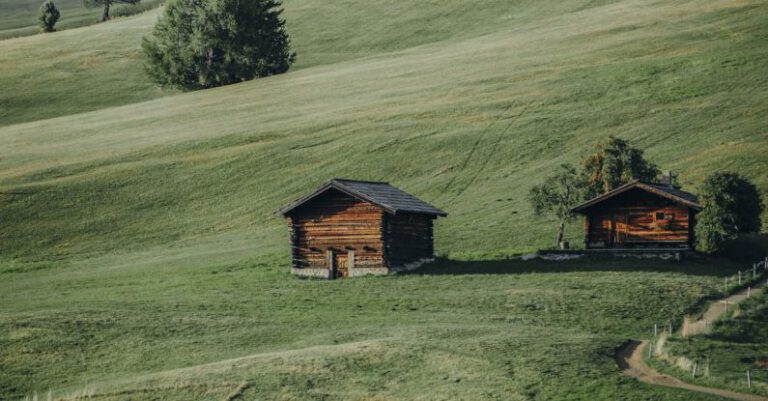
49, 14
732, 206
202, 44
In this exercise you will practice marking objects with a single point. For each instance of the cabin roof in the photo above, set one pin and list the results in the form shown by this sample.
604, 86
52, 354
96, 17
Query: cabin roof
381, 194
665, 191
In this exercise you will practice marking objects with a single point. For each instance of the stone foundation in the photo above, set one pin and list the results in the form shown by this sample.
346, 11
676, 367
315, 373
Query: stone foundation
325, 273
312, 272
636, 253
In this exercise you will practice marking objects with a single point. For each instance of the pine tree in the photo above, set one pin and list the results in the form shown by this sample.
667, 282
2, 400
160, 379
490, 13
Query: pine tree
49, 14
201, 44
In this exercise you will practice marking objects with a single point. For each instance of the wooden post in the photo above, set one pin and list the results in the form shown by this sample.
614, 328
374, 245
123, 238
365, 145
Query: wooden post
655, 329
739, 277
754, 271
670, 327
331, 262
749, 379
650, 349
706, 369
695, 366
726, 283
350, 262
749, 290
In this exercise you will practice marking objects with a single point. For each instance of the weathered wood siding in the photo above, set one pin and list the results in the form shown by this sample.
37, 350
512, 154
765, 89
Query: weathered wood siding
336, 221
630, 220
408, 238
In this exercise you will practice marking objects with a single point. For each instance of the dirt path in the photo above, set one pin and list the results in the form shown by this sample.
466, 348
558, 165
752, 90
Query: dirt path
717, 309
631, 361
630, 357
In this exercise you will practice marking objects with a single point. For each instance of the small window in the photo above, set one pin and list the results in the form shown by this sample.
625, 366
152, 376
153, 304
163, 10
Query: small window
660, 216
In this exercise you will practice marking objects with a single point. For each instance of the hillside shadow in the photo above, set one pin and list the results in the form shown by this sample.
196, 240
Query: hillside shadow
700, 266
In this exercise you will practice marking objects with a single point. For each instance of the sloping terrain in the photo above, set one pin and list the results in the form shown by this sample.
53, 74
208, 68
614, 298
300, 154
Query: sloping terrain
468, 124
138, 233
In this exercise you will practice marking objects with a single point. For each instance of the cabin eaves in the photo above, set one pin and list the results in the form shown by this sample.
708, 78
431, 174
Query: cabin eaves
666, 191
381, 194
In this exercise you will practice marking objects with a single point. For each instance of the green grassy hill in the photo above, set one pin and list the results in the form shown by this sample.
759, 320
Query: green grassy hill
19, 17
138, 232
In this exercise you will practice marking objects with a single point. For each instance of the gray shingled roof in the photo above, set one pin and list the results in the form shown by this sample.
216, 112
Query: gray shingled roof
381, 194
677, 192
666, 191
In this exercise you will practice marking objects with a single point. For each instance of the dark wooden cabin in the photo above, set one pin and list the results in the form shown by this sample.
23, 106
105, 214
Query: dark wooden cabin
350, 228
640, 215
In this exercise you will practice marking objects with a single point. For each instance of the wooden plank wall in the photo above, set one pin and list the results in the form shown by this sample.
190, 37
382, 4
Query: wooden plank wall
409, 238
340, 222
633, 214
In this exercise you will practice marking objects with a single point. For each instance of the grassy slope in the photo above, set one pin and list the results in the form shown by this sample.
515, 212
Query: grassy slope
80, 70
736, 344
493, 114
19, 17
164, 325
146, 239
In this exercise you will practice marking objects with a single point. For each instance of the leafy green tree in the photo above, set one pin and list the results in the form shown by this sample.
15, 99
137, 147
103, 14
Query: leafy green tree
49, 14
201, 44
614, 163
558, 195
106, 4
732, 206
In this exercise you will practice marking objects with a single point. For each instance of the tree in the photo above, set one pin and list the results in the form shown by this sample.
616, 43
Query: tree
201, 44
49, 14
558, 195
106, 4
731, 206
614, 163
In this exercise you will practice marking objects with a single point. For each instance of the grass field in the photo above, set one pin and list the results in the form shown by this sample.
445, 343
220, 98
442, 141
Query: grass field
140, 253
195, 322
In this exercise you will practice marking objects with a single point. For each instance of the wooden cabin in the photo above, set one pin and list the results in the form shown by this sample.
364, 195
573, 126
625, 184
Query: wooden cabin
350, 228
641, 215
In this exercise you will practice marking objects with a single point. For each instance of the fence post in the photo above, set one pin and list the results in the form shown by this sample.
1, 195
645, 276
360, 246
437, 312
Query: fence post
754, 271
670, 327
650, 349
749, 380
695, 365
749, 291
739, 277
655, 329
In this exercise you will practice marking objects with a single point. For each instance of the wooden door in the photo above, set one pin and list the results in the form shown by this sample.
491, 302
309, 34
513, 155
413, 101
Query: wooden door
619, 229
342, 267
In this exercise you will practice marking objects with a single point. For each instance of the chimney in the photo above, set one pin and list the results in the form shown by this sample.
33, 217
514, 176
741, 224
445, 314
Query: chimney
667, 178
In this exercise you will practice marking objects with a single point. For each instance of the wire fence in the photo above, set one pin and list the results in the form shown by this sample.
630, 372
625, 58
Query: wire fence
737, 287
